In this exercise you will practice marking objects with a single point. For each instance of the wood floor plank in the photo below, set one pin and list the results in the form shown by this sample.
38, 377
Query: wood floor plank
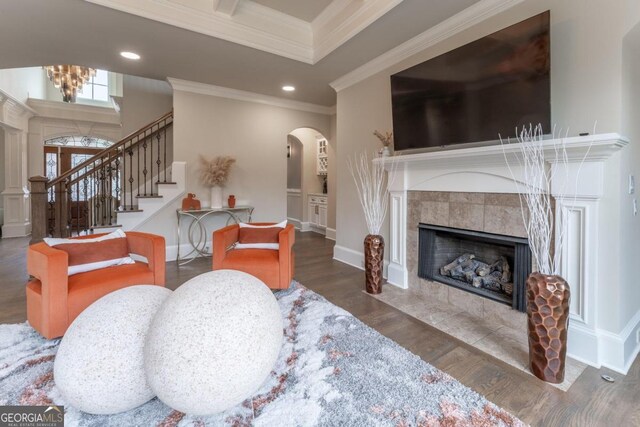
589, 402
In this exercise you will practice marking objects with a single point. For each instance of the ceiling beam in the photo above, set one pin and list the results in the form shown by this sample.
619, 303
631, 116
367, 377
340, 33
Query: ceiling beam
226, 7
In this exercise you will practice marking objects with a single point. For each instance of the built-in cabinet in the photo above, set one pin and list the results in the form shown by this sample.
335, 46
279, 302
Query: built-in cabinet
317, 206
323, 157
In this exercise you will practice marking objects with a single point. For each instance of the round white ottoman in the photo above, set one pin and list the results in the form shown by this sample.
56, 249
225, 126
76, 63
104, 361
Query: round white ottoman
213, 342
99, 366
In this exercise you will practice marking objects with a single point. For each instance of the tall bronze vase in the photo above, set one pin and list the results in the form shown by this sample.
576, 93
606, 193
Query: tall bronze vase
373, 263
547, 320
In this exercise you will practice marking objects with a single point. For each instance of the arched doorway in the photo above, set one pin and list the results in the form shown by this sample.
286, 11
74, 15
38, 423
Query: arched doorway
307, 173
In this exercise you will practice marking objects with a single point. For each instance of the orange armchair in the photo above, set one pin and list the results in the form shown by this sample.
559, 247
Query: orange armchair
274, 267
55, 299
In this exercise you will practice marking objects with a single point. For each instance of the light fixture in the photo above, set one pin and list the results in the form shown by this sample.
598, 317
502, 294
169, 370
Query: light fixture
130, 55
288, 88
69, 79
288, 151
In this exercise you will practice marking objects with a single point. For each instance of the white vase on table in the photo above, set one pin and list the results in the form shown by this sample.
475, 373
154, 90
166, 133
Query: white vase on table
216, 197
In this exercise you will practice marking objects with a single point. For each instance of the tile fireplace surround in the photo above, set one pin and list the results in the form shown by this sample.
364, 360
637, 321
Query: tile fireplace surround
474, 189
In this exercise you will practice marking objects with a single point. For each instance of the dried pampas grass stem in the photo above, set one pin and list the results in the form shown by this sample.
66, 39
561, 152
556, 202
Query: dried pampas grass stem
215, 172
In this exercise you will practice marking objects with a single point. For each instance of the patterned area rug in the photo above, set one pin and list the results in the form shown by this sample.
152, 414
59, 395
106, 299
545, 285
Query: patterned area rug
332, 370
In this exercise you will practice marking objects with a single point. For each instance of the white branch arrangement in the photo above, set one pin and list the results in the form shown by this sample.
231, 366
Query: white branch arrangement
535, 193
373, 189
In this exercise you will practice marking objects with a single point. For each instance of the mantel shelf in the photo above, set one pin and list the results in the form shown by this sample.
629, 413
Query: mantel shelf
588, 148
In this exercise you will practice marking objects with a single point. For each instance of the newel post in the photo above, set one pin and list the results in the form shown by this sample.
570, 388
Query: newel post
61, 210
39, 208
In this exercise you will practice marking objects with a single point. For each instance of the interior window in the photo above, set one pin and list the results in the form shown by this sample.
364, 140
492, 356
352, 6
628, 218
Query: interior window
97, 88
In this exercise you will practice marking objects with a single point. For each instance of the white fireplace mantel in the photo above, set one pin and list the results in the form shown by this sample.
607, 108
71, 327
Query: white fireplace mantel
578, 186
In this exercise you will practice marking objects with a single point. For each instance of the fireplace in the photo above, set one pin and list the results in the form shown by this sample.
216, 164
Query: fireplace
489, 265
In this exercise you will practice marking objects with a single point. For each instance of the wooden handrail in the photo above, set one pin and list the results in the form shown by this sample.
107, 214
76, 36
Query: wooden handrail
113, 148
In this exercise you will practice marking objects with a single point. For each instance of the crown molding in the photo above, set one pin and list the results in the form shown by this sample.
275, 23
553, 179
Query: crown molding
459, 22
250, 24
76, 112
242, 95
14, 113
342, 20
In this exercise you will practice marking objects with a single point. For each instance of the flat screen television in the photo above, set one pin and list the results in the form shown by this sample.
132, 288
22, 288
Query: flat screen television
476, 92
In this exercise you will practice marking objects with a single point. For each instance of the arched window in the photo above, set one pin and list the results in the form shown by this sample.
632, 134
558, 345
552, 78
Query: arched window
79, 141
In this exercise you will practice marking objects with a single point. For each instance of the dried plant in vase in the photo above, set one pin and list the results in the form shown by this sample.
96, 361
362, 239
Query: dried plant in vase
373, 190
214, 173
547, 292
386, 139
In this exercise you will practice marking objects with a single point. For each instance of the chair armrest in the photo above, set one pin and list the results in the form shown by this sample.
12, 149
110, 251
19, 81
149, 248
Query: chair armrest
152, 247
50, 266
222, 239
286, 240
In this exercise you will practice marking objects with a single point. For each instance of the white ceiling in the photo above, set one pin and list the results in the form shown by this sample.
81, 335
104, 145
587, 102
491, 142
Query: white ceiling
41, 32
307, 10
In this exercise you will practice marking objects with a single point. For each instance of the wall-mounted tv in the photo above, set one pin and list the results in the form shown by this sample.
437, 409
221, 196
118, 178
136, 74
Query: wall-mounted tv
476, 92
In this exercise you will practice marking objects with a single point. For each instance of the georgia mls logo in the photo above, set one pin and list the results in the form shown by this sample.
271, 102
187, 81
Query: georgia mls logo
32, 416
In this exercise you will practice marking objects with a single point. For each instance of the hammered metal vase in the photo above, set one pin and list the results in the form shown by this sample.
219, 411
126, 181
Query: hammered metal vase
547, 321
373, 263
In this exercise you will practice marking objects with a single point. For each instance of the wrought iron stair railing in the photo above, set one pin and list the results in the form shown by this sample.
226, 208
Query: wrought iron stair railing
90, 195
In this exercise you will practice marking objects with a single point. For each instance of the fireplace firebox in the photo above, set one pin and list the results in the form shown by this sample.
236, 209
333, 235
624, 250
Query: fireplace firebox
490, 265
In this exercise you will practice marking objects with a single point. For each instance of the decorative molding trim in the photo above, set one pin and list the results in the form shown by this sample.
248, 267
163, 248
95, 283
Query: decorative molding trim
590, 148
14, 113
251, 24
330, 233
242, 95
459, 22
75, 112
344, 19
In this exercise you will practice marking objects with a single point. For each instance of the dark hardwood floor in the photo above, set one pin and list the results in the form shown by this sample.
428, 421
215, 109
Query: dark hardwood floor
589, 402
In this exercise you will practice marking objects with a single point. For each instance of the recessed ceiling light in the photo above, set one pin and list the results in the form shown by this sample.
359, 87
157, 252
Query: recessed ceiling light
288, 88
129, 55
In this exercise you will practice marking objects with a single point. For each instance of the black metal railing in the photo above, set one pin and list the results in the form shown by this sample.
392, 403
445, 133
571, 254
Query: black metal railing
90, 195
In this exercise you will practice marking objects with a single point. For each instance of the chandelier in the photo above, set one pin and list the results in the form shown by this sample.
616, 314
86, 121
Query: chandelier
69, 79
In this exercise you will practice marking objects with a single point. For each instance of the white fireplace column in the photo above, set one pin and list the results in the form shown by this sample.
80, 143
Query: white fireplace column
14, 123
15, 195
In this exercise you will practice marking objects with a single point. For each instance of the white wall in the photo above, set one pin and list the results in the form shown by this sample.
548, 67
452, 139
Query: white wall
629, 225
255, 134
23, 83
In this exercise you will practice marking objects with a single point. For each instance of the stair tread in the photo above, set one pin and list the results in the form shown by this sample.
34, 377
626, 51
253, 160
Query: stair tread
96, 227
154, 196
129, 211
168, 182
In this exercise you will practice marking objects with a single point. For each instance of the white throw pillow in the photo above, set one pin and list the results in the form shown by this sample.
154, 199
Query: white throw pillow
282, 224
274, 246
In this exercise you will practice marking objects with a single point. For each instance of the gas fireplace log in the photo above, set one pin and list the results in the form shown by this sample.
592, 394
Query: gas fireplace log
445, 271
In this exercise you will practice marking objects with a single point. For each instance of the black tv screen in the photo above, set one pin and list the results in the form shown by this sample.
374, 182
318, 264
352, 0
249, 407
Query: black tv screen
476, 92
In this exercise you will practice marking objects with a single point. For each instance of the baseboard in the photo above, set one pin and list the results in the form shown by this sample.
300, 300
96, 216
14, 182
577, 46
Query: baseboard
296, 223
618, 351
16, 230
355, 259
330, 233
305, 226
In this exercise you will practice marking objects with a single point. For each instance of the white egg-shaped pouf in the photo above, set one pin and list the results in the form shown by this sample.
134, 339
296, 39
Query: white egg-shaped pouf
213, 342
99, 367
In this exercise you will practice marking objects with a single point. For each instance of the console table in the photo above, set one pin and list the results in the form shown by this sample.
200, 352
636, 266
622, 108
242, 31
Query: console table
198, 240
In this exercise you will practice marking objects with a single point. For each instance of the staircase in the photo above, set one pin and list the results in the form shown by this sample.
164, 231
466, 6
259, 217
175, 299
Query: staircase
121, 186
